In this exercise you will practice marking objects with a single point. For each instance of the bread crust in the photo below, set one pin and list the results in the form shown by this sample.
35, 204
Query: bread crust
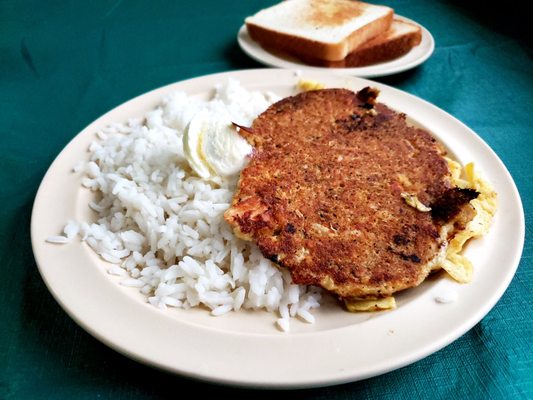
384, 51
376, 50
306, 47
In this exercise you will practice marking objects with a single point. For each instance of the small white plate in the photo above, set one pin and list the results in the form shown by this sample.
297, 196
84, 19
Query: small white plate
415, 57
245, 348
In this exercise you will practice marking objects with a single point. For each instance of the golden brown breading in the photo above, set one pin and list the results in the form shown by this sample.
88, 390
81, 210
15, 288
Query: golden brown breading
321, 195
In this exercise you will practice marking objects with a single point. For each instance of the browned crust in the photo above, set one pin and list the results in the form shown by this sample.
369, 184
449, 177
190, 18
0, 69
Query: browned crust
304, 47
368, 32
377, 50
385, 51
321, 195
451, 202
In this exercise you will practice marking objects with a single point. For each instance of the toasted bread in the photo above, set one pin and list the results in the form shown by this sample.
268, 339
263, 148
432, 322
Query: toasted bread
322, 29
401, 37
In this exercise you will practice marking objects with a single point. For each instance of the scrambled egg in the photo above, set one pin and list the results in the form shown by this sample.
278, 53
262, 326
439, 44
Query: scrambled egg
455, 264
306, 85
370, 305
413, 201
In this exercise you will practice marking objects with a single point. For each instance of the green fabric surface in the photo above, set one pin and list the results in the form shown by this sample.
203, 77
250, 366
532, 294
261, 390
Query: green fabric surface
64, 63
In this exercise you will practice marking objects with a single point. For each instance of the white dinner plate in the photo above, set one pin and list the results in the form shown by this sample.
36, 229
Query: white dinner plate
245, 348
415, 57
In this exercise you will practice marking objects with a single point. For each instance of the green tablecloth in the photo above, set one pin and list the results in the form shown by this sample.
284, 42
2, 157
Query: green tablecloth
62, 64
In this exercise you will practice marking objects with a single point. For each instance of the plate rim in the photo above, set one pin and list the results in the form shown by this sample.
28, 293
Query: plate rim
257, 53
301, 383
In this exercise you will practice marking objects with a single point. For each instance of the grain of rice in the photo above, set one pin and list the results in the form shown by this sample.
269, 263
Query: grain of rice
116, 270
283, 324
132, 283
306, 316
221, 310
57, 239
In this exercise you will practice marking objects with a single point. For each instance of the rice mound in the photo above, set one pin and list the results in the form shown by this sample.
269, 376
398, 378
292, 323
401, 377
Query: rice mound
162, 227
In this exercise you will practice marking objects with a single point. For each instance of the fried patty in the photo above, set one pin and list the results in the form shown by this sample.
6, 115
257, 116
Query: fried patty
322, 193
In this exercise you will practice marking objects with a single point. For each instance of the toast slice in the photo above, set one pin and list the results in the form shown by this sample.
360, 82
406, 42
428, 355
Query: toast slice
397, 41
322, 29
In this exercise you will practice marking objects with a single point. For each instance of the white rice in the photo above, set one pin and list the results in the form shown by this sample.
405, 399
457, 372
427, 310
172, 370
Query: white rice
161, 226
